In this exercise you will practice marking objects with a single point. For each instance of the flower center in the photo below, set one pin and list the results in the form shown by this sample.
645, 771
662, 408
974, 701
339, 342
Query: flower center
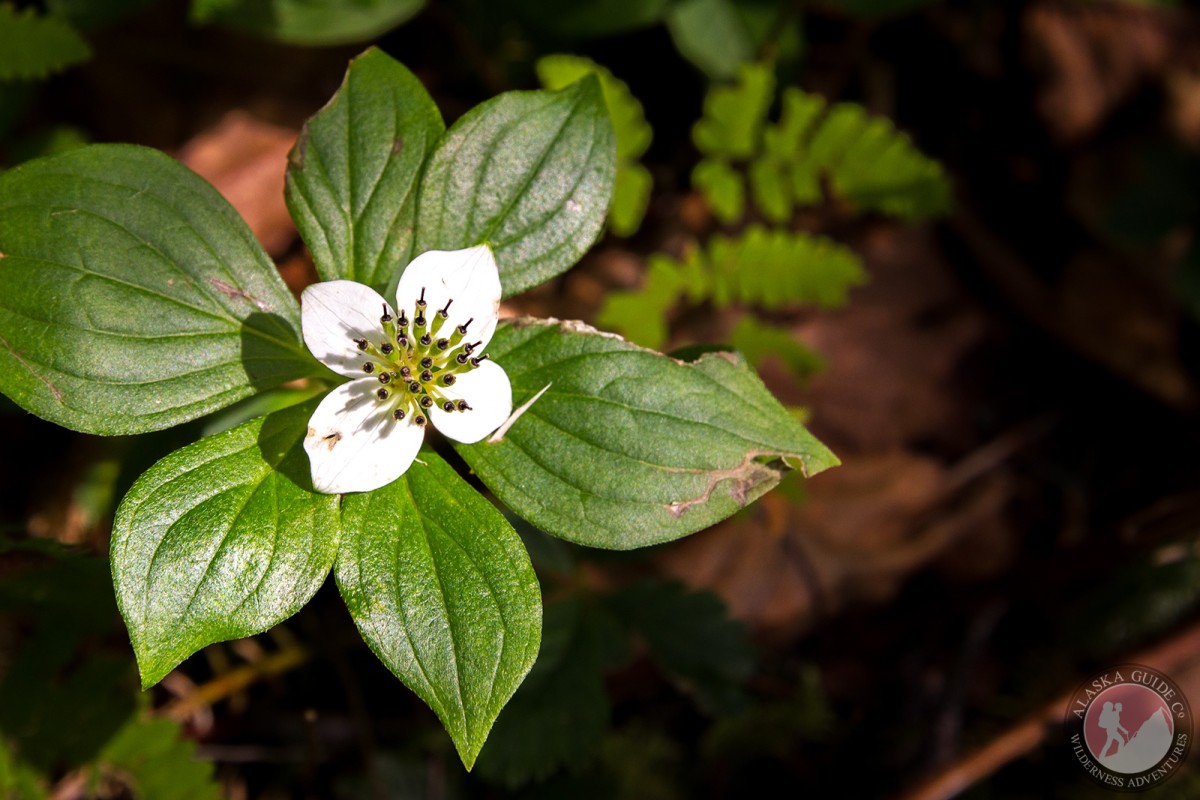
414, 368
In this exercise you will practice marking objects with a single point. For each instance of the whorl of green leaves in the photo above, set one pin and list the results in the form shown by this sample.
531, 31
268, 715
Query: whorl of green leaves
863, 160
33, 46
771, 269
633, 183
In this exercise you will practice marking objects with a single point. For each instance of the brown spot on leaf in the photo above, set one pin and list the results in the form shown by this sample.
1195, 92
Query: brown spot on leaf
232, 292
397, 145
743, 481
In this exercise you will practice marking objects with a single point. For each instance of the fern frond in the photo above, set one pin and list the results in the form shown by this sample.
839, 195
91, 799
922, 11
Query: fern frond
33, 46
862, 159
770, 269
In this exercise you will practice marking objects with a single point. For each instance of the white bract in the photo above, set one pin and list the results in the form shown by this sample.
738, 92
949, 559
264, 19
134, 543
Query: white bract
417, 363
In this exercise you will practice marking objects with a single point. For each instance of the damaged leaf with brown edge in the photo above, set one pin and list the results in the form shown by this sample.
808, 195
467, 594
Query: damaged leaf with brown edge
629, 447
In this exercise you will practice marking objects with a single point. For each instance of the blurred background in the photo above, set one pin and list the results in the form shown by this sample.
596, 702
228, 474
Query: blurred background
996, 331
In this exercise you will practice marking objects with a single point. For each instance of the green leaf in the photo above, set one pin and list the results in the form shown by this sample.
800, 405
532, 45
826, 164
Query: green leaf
352, 176
559, 716
711, 35
876, 167
308, 22
760, 342
633, 181
530, 173
772, 190
220, 540
693, 639
628, 119
591, 19
442, 590
631, 198
33, 46
132, 296
734, 114
775, 268
722, 187
641, 315
155, 760
628, 447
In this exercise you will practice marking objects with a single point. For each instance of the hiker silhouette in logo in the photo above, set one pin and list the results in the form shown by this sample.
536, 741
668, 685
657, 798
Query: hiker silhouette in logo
1110, 720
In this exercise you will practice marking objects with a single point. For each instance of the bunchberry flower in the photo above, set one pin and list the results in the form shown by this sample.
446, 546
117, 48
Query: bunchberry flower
420, 362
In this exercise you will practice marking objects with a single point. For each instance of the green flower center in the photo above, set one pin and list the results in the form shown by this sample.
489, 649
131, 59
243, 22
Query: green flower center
413, 368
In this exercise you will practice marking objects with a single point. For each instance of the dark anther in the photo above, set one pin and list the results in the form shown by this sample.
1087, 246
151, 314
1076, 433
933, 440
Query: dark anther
445, 312
362, 343
402, 340
419, 419
426, 376
426, 362
448, 380
382, 394
442, 344
421, 301
403, 319
448, 405
386, 348
463, 328
386, 316
462, 406
419, 321
398, 414
405, 372
385, 377
368, 367
461, 358
426, 401
426, 339
475, 361
414, 387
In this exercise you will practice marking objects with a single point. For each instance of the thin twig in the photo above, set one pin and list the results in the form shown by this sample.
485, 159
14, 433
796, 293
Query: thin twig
1030, 733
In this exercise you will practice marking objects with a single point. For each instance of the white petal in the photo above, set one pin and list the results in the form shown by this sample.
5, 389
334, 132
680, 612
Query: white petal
487, 390
469, 278
335, 313
354, 444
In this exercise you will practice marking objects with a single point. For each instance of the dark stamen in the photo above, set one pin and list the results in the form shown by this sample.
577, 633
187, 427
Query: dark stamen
385, 377
463, 328
386, 316
362, 343
461, 358
419, 321
448, 405
426, 339
414, 387
421, 301
386, 348
368, 367
403, 319
445, 312
405, 372
448, 380
442, 344
402, 340
420, 420
382, 394
426, 362
426, 401
475, 361
398, 414
462, 406
426, 376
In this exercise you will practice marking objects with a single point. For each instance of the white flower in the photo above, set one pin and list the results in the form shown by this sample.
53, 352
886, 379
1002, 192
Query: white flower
417, 363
